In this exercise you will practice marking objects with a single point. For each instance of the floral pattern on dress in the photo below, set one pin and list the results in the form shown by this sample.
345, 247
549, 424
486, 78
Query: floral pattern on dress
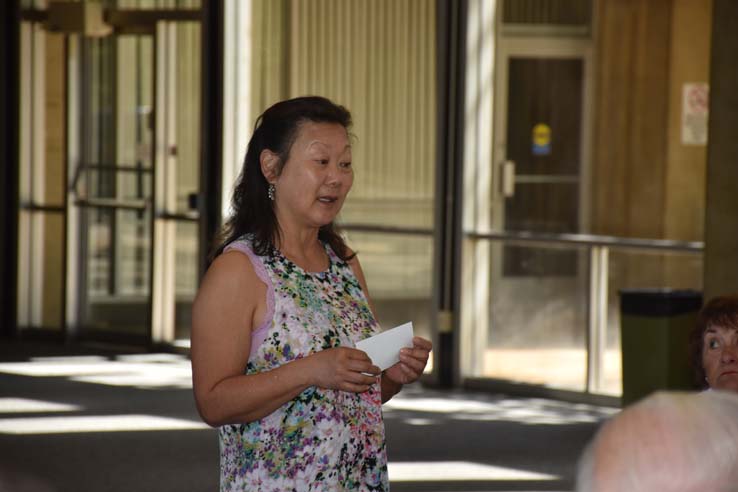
324, 439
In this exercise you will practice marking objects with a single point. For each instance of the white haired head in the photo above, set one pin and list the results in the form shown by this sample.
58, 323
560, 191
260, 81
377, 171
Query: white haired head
670, 442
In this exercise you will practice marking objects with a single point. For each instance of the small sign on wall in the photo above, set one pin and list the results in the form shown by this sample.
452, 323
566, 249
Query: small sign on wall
695, 103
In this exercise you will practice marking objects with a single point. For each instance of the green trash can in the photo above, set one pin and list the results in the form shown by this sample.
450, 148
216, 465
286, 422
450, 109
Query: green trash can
654, 336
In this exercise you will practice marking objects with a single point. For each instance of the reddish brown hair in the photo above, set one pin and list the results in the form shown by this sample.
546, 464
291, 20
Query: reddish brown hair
720, 311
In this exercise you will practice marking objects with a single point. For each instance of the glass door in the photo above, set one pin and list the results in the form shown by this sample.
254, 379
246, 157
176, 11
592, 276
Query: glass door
535, 335
136, 182
113, 185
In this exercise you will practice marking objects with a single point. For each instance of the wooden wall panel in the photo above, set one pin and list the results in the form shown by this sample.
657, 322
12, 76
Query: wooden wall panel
686, 164
632, 80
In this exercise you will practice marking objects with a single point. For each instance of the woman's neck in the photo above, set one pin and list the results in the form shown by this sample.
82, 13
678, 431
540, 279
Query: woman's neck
303, 248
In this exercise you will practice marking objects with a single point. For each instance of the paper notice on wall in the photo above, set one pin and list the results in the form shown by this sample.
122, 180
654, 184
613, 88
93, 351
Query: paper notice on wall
695, 103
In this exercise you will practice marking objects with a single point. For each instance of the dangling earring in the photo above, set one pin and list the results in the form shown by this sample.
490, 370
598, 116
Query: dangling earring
270, 192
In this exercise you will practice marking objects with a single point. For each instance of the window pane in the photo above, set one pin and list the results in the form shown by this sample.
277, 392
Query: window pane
186, 277
118, 271
538, 320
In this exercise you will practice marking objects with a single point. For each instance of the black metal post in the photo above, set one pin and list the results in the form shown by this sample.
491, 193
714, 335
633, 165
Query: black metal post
451, 47
211, 170
9, 146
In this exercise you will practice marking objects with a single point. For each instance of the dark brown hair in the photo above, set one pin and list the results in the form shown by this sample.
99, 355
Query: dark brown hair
720, 311
276, 129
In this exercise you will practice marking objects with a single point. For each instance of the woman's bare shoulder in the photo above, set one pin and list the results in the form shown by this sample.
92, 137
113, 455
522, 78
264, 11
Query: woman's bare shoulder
233, 268
230, 279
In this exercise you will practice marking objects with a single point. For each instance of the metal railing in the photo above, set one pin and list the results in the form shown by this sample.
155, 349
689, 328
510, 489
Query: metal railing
378, 229
590, 240
598, 249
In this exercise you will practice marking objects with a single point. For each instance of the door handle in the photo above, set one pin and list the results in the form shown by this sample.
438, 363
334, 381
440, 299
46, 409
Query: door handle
508, 179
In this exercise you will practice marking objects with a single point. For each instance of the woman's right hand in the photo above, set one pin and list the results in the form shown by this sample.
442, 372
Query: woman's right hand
343, 368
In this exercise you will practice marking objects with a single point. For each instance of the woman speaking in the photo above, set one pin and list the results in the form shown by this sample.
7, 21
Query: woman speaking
279, 312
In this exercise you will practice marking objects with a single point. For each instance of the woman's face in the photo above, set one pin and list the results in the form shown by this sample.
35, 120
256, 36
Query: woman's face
720, 357
316, 177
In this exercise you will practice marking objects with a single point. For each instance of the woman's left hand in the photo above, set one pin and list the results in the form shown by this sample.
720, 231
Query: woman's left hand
412, 362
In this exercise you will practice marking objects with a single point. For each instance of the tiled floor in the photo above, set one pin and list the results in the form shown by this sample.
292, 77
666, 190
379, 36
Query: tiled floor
94, 420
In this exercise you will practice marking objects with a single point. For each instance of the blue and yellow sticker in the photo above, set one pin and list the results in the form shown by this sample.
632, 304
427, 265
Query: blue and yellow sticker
541, 139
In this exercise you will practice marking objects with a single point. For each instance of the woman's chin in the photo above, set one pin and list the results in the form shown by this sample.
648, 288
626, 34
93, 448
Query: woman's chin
321, 220
727, 383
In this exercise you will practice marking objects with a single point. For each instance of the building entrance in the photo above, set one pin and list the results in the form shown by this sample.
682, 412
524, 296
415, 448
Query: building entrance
128, 168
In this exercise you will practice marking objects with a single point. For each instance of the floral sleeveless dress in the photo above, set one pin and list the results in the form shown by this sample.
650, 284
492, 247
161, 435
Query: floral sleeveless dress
323, 440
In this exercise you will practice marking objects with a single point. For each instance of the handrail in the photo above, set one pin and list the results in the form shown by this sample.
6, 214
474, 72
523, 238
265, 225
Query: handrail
39, 207
415, 231
139, 205
591, 240
124, 168
542, 237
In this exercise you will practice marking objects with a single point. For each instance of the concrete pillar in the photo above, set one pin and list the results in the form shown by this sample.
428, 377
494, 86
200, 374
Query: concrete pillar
721, 215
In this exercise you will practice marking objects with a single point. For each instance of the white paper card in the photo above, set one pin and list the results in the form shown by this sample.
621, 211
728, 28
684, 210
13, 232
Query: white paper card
384, 349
